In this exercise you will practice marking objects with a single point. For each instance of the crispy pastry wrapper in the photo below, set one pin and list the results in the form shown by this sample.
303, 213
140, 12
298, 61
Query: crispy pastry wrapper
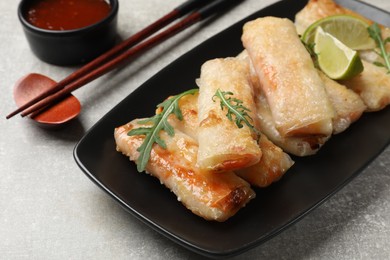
347, 104
348, 107
210, 195
373, 86
273, 165
299, 146
222, 145
294, 91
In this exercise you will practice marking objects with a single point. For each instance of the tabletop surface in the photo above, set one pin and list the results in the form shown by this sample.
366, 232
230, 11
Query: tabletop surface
50, 210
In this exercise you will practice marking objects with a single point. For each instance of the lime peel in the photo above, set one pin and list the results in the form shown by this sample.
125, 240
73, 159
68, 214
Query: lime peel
334, 58
350, 30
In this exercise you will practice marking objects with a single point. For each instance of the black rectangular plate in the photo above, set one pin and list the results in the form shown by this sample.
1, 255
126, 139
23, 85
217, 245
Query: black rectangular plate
310, 182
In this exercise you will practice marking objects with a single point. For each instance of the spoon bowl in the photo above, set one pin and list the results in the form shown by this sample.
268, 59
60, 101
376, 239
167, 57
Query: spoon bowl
54, 116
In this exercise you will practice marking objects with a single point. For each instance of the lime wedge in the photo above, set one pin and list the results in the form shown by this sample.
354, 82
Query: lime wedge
348, 29
334, 58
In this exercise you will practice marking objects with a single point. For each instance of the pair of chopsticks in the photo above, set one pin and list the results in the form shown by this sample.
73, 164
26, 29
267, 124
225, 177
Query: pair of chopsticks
126, 50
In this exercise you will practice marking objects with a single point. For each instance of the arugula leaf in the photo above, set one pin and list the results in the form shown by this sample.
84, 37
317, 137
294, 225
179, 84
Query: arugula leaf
158, 122
236, 109
375, 33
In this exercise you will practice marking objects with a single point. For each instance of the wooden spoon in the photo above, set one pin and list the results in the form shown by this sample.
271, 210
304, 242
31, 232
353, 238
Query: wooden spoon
56, 115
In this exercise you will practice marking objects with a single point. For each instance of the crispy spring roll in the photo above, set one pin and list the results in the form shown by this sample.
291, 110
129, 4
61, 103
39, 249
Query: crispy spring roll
347, 104
294, 91
299, 146
210, 195
222, 145
373, 86
273, 164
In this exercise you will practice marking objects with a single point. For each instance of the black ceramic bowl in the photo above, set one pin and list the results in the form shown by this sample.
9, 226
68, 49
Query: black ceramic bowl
71, 47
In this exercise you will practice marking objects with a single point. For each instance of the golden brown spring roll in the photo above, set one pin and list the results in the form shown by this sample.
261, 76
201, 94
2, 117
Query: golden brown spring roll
222, 145
299, 146
210, 195
347, 104
294, 91
373, 86
273, 164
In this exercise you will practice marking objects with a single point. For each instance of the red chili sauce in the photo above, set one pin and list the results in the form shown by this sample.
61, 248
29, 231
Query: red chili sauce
62, 15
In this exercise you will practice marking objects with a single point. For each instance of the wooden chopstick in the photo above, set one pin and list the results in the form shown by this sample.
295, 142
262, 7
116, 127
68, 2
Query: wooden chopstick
176, 13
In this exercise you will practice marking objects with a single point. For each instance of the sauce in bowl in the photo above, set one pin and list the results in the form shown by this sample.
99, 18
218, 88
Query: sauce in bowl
60, 15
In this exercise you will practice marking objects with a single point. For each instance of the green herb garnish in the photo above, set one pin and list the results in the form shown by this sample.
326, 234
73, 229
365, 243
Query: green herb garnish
375, 33
158, 123
236, 109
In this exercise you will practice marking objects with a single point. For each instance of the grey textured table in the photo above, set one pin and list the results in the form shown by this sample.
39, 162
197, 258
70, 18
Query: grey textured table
50, 210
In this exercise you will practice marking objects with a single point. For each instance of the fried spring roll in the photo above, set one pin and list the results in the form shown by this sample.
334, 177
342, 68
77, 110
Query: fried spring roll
273, 164
299, 146
222, 145
373, 86
347, 104
294, 91
210, 195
